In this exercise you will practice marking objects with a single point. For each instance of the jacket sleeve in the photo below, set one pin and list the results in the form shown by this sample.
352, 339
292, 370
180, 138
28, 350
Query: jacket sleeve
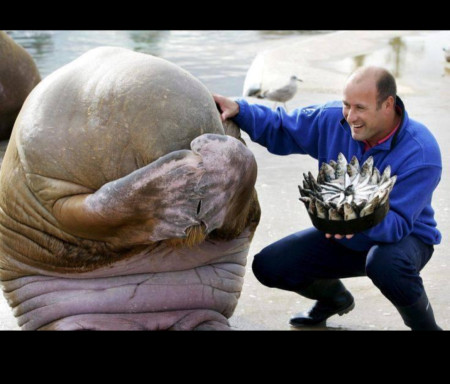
411, 194
281, 133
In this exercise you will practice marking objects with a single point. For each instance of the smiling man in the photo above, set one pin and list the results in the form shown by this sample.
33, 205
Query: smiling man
371, 120
369, 105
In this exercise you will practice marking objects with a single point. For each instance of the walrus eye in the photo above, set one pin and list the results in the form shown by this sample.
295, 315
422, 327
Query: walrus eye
199, 206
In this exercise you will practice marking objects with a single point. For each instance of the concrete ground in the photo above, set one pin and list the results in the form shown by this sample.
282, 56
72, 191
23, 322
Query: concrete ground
323, 63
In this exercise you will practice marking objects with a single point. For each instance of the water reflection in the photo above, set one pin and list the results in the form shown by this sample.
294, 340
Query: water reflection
219, 59
38, 43
417, 60
284, 33
358, 61
399, 52
392, 57
150, 42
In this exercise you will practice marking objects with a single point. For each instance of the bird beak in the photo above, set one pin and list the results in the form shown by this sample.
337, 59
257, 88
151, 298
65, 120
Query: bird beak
301, 81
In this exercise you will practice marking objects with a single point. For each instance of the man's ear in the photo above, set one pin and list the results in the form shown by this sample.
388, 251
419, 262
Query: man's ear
390, 103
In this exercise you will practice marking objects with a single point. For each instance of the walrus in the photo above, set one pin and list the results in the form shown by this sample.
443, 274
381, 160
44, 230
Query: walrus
125, 203
18, 76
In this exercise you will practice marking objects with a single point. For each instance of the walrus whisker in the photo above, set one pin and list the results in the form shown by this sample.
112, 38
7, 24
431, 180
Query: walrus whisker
195, 235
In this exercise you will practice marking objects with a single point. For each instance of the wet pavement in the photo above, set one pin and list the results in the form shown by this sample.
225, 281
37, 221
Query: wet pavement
323, 63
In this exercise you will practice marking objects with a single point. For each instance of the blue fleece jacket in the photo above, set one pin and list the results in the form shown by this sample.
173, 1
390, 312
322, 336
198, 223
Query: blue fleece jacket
322, 132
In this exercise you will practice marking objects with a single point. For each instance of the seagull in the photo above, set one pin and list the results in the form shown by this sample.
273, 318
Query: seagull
280, 95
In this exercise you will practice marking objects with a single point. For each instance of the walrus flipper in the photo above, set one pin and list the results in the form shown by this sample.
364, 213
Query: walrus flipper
203, 187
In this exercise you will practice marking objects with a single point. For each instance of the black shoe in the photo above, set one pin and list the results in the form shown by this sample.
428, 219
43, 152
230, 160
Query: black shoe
419, 316
322, 310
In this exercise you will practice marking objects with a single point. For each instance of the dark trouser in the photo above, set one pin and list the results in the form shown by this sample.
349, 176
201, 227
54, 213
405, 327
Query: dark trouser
295, 261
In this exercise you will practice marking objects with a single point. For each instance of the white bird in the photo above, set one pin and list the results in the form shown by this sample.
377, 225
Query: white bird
279, 95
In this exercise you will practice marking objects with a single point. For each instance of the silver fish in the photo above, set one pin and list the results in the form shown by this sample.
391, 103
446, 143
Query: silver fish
305, 200
382, 194
341, 167
333, 214
367, 167
349, 212
375, 178
313, 183
346, 190
321, 209
354, 162
386, 174
370, 208
312, 206
326, 173
352, 170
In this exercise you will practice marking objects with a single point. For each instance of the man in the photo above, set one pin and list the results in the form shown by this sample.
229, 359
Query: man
370, 121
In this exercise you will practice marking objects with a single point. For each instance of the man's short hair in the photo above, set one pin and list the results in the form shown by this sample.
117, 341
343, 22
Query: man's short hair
386, 87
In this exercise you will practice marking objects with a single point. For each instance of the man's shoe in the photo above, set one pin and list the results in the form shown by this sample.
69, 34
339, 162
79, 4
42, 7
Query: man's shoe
322, 310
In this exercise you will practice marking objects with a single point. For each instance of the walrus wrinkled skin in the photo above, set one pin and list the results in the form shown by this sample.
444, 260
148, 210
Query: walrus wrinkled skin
123, 202
18, 76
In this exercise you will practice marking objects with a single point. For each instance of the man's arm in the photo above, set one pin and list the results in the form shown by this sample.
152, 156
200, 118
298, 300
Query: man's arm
412, 192
228, 109
281, 133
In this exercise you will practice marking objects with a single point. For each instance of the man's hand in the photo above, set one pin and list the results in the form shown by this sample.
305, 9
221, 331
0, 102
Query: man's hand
227, 107
328, 235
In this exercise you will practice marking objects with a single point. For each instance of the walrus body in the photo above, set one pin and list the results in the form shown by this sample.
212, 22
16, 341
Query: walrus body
123, 203
18, 76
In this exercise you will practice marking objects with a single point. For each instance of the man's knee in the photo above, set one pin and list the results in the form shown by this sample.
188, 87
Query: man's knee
262, 270
381, 262
407, 257
274, 273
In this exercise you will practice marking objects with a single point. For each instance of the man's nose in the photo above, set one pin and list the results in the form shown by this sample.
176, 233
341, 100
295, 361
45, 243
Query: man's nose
351, 116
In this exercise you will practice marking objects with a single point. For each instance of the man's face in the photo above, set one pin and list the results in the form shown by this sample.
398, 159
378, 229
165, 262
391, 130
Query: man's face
360, 110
